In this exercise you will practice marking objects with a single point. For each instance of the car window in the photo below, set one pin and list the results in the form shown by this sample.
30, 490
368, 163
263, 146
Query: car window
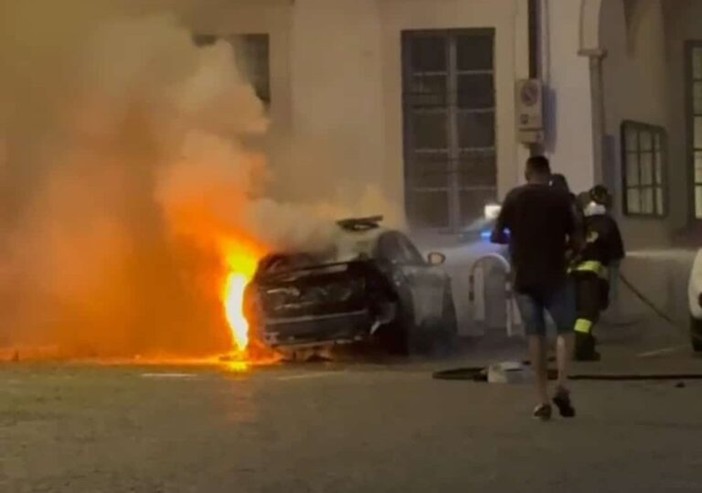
409, 251
397, 249
387, 248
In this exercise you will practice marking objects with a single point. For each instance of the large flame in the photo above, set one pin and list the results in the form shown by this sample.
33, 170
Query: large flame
241, 262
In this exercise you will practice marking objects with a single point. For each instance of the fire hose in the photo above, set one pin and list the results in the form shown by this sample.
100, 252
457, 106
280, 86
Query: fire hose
480, 373
646, 301
652, 306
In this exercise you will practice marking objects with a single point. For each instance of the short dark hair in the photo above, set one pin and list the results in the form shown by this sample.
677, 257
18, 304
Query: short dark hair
538, 165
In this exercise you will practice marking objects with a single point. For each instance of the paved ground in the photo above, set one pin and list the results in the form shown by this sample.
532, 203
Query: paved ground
365, 427
339, 428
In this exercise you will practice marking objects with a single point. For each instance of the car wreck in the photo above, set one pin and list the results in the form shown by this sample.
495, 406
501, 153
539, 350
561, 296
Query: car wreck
373, 286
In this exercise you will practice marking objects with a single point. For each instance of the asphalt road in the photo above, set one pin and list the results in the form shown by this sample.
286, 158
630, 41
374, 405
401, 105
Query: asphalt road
355, 428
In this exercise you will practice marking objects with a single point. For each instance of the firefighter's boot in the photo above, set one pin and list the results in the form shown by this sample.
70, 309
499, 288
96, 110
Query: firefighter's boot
585, 348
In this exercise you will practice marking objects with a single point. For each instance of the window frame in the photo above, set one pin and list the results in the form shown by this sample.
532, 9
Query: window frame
243, 44
663, 185
414, 256
458, 159
690, 115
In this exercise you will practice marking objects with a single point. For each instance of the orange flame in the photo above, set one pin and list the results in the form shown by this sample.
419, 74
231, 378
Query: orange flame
241, 263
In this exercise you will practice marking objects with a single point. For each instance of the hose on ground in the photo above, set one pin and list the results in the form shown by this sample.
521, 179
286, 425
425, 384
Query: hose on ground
478, 374
635, 291
660, 313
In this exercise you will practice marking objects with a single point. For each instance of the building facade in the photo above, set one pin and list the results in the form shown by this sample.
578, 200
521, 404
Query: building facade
418, 98
651, 100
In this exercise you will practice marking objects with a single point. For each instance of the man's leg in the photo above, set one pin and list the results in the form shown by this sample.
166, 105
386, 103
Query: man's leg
562, 309
564, 353
539, 362
532, 313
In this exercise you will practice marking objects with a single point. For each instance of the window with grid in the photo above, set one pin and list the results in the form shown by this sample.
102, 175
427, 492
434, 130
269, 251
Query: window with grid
253, 57
449, 126
694, 90
252, 53
644, 169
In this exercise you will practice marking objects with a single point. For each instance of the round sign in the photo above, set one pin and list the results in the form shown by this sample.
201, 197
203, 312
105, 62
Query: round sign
530, 94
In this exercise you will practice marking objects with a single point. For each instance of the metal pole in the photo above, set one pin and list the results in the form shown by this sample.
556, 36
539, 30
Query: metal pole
535, 60
512, 314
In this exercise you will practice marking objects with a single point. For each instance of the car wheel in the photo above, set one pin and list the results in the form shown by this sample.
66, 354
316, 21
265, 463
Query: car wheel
437, 336
696, 334
393, 338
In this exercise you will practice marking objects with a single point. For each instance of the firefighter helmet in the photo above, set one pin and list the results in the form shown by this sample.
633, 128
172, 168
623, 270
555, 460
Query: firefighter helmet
600, 195
583, 199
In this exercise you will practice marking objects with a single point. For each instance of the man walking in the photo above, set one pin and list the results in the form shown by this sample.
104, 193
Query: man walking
538, 223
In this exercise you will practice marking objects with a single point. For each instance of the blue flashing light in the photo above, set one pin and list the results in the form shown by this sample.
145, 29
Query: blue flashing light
487, 234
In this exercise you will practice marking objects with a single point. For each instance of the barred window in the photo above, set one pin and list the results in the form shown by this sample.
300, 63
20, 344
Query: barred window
252, 55
694, 111
449, 126
644, 169
253, 58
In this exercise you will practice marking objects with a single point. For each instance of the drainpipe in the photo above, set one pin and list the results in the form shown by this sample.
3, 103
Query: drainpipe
596, 56
535, 60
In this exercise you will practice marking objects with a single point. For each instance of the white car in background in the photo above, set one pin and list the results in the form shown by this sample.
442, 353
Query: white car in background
694, 291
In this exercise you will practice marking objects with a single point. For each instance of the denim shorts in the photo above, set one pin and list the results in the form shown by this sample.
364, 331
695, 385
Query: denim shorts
560, 304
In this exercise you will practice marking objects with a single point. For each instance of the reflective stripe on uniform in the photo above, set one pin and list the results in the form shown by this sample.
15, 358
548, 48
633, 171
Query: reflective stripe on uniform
583, 326
591, 266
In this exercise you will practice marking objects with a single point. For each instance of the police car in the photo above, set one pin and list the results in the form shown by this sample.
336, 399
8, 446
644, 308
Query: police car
694, 291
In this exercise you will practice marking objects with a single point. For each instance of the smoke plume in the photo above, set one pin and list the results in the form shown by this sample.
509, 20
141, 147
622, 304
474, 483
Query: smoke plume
124, 174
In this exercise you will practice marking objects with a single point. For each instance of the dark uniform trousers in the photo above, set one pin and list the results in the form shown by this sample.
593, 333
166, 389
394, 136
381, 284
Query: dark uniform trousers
592, 294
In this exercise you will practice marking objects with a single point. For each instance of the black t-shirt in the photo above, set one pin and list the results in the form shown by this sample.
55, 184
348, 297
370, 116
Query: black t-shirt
540, 221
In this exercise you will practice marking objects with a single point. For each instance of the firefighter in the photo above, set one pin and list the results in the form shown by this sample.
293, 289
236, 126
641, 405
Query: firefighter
603, 248
602, 195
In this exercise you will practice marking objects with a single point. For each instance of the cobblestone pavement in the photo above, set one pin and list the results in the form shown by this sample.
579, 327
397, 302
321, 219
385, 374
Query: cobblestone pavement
339, 428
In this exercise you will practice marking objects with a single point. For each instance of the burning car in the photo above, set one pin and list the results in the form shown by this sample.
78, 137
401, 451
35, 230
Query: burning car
372, 285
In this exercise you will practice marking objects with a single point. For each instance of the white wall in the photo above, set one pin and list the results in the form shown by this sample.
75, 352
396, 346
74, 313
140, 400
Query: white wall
510, 20
683, 24
636, 88
568, 102
646, 82
256, 17
338, 85
337, 104
347, 93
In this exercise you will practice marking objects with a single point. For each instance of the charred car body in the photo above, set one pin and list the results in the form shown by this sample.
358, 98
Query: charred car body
374, 287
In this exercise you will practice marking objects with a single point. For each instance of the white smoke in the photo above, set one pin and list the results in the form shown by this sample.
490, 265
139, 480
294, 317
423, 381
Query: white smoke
123, 165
